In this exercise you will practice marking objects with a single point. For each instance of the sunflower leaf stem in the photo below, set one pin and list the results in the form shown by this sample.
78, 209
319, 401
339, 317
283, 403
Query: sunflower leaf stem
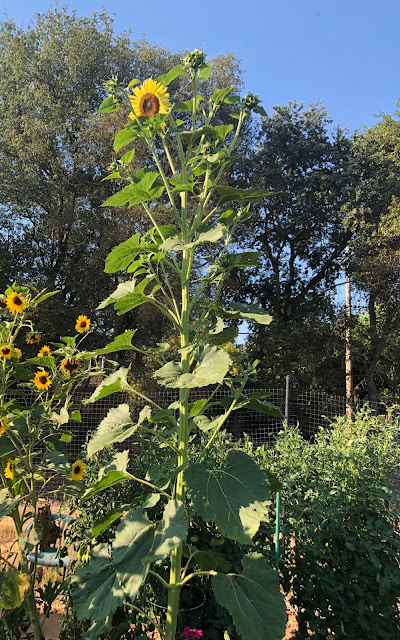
130, 476
160, 437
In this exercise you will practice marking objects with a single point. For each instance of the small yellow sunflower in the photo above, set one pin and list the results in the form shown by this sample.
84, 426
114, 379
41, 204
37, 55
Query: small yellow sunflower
18, 353
70, 365
78, 470
5, 351
44, 352
9, 469
15, 302
4, 424
3, 303
150, 98
82, 324
32, 338
41, 380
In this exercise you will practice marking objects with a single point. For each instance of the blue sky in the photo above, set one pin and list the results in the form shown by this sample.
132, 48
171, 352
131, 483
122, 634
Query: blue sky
342, 52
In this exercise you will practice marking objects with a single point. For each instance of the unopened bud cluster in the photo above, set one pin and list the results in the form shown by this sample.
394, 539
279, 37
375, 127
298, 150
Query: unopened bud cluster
250, 102
194, 59
113, 88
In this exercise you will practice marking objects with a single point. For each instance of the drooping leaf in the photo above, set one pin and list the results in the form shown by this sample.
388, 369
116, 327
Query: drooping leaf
235, 497
123, 289
102, 524
205, 71
170, 532
13, 586
96, 591
230, 194
7, 502
120, 343
204, 233
244, 311
223, 337
58, 462
211, 561
117, 426
252, 402
116, 381
133, 541
62, 417
109, 480
253, 599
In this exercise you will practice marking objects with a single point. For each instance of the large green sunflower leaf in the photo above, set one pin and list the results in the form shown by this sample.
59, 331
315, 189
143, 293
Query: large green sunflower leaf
175, 72
109, 480
229, 334
116, 381
123, 254
117, 426
230, 194
133, 541
235, 497
7, 502
253, 599
244, 311
96, 591
170, 531
121, 343
213, 365
204, 233
124, 137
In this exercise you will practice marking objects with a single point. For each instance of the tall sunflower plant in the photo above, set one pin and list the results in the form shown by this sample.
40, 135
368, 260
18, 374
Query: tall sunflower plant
182, 182
35, 401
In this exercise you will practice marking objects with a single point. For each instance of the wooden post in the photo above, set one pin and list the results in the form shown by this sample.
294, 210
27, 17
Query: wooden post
348, 351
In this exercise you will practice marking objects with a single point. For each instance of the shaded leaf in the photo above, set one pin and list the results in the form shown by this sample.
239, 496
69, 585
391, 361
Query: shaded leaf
7, 502
230, 194
120, 343
114, 382
253, 599
170, 531
115, 427
235, 497
13, 586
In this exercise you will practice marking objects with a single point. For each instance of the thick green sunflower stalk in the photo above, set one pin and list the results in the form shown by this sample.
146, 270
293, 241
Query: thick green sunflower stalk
188, 157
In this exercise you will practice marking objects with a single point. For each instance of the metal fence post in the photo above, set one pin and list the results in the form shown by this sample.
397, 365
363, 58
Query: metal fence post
278, 493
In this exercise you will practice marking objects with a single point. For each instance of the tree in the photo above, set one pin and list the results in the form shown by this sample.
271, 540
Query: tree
299, 232
54, 153
373, 215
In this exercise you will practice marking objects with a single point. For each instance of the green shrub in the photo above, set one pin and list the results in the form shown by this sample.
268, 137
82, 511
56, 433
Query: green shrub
340, 525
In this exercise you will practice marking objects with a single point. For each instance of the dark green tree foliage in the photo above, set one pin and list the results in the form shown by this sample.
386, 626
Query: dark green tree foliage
54, 152
299, 232
374, 217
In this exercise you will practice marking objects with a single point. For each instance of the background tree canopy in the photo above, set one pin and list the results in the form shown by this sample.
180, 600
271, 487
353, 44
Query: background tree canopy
328, 190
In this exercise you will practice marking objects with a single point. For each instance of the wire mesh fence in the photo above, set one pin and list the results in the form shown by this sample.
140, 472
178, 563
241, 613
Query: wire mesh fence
310, 410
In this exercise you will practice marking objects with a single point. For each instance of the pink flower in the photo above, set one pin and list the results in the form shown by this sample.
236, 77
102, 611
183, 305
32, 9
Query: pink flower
192, 633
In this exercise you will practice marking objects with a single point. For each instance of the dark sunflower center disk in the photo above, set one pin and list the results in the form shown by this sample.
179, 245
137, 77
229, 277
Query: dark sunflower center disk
17, 300
149, 104
77, 469
6, 351
43, 379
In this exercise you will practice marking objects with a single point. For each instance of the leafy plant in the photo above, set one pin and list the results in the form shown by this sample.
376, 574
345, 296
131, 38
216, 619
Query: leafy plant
188, 157
341, 526
35, 397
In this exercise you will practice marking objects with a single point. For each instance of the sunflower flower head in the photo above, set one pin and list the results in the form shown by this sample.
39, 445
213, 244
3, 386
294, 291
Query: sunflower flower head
32, 338
70, 365
78, 470
9, 469
44, 352
82, 324
150, 98
15, 302
18, 353
6, 351
4, 424
250, 102
3, 303
42, 380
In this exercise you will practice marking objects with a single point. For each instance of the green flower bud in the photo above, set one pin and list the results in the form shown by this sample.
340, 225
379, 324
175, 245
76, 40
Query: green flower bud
250, 102
194, 59
113, 88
